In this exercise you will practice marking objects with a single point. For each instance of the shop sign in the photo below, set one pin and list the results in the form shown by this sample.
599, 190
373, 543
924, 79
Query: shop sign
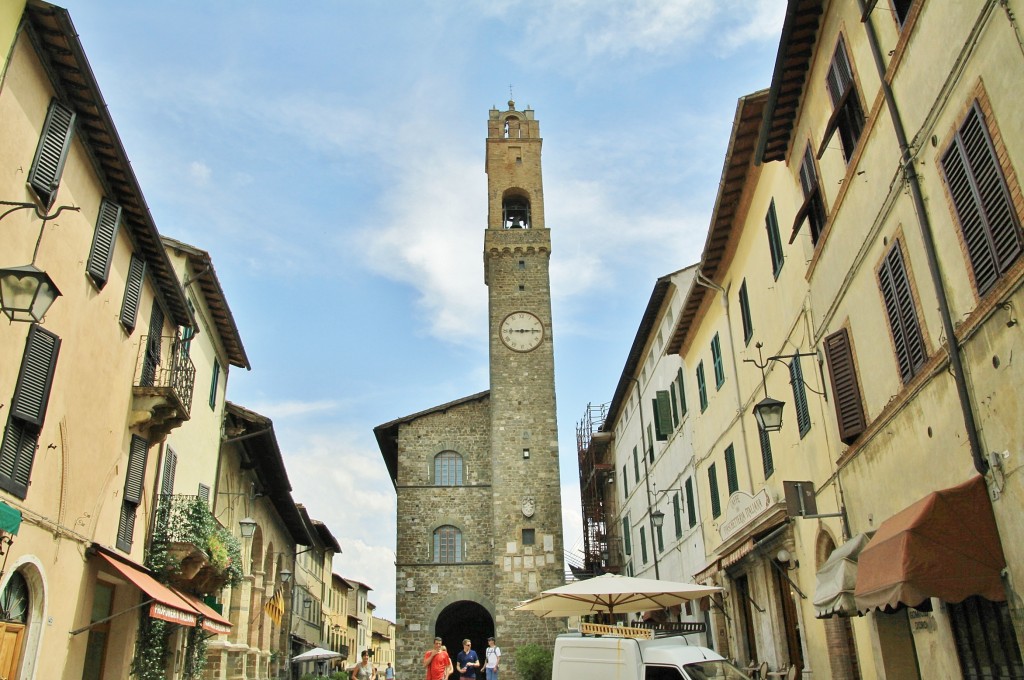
742, 509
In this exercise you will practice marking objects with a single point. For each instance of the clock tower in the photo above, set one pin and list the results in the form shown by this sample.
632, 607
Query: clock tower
526, 493
479, 508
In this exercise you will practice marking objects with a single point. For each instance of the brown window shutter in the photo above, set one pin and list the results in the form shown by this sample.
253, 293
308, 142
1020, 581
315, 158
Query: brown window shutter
845, 390
136, 476
32, 392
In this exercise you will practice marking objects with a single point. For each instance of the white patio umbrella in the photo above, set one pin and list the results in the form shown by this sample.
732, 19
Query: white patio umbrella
315, 654
613, 594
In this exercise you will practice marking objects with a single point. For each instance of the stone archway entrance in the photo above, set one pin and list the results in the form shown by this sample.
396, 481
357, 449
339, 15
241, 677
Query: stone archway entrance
461, 620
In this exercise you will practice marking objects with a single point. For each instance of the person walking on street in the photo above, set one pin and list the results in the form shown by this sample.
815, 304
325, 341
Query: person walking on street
364, 670
389, 672
467, 662
493, 656
437, 662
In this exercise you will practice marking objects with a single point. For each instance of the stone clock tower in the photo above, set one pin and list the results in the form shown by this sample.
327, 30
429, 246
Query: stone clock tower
479, 518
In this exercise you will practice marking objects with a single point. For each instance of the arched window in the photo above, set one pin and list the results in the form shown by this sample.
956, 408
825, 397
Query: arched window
447, 544
447, 469
516, 212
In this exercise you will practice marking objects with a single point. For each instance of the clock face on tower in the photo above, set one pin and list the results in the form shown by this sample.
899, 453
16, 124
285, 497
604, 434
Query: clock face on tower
521, 331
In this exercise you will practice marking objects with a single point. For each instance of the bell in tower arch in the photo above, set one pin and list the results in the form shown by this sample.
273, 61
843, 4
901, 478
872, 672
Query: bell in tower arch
516, 212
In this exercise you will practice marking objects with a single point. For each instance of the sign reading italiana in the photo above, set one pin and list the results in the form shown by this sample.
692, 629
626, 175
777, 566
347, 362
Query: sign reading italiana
742, 509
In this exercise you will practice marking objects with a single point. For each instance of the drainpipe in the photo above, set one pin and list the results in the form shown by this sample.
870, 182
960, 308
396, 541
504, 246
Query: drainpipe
924, 223
702, 280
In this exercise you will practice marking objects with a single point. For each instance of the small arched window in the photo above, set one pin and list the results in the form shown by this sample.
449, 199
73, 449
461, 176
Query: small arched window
14, 600
447, 469
516, 212
447, 545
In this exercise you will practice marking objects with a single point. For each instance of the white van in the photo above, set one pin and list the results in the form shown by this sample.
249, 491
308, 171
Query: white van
619, 653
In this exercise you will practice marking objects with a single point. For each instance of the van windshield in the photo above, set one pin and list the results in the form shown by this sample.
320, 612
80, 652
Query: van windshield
717, 670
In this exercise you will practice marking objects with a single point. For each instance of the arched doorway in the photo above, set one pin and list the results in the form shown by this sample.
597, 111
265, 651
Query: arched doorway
14, 616
461, 620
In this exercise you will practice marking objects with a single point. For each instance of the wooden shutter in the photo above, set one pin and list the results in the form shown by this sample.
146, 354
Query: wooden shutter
170, 468
771, 225
663, 414
677, 514
691, 506
675, 405
32, 392
702, 390
716, 505
17, 452
899, 305
748, 325
767, 464
643, 545
732, 479
52, 151
682, 392
103, 240
845, 389
204, 493
626, 542
691, 509
716, 355
982, 201
213, 384
151, 361
796, 379
126, 526
132, 293
136, 475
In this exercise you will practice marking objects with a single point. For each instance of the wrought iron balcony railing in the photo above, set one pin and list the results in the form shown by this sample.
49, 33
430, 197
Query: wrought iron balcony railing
164, 363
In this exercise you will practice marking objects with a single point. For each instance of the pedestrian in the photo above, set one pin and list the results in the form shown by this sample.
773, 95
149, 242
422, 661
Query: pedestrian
389, 672
493, 656
364, 670
467, 662
437, 662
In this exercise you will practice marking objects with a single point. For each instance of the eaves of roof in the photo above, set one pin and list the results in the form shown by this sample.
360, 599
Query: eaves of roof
726, 220
262, 455
387, 434
326, 536
636, 351
206, 277
792, 64
56, 39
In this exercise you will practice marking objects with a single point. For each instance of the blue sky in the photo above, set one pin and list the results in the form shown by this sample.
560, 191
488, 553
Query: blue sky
330, 157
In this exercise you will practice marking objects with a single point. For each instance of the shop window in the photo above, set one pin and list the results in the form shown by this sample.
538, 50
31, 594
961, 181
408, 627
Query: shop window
986, 643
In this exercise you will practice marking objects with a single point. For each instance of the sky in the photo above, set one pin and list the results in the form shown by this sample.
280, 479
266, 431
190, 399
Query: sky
329, 155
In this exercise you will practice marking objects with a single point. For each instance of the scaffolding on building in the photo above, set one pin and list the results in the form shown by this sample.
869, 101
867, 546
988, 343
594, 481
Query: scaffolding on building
595, 474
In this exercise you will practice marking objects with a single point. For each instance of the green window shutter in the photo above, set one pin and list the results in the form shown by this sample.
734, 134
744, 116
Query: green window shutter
716, 505
126, 526
625, 482
643, 545
691, 506
103, 239
132, 293
663, 415
981, 197
702, 390
682, 393
52, 152
636, 465
675, 405
661, 539
136, 476
845, 389
38, 363
732, 479
748, 324
626, 543
771, 225
170, 468
213, 383
677, 514
716, 355
767, 464
650, 442
17, 452
796, 379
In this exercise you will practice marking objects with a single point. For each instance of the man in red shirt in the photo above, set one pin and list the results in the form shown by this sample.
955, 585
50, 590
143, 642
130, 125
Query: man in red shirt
437, 662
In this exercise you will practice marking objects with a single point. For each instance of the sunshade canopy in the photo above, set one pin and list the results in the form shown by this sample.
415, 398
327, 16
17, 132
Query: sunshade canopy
167, 604
946, 545
213, 621
10, 519
837, 578
315, 654
613, 594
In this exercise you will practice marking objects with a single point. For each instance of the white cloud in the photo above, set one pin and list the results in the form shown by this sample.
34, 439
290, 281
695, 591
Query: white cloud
290, 409
199, 172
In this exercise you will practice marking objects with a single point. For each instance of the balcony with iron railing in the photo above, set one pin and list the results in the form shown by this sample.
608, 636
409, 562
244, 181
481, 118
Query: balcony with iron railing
164, 380
190, 548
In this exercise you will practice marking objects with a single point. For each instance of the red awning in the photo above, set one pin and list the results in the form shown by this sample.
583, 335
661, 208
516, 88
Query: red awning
167, 605
212, 621
946, 545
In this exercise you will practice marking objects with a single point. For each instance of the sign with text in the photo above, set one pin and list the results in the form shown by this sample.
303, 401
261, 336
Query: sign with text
742, 509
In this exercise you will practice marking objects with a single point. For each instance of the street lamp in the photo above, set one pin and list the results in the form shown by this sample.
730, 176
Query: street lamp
26, 293
285, 575
658, 517
247, 525
768, 411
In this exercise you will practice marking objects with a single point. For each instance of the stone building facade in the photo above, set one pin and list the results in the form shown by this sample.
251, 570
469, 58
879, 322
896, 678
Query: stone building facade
479, 503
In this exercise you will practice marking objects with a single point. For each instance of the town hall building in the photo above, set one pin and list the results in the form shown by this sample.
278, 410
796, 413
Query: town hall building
479, 507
